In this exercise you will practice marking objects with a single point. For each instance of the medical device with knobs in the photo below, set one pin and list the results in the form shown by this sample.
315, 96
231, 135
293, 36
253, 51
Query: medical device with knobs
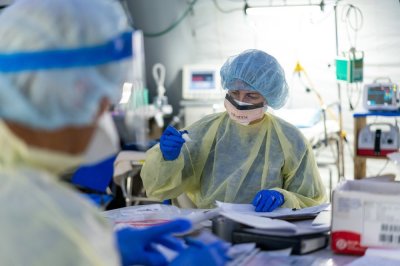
378, 139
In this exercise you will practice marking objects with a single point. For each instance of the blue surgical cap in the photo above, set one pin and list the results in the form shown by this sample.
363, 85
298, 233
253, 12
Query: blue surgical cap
258, 71
60, 58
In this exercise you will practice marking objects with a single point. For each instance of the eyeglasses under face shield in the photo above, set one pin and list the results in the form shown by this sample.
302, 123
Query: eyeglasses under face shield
241, 106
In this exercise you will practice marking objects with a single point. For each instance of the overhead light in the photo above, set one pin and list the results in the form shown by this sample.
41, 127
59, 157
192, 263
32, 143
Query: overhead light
247, 9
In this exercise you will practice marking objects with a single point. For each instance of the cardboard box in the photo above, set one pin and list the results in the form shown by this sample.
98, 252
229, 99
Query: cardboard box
365, 214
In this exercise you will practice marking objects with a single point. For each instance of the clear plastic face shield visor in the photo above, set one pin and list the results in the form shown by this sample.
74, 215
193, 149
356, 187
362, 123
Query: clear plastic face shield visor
73, 79
242, 112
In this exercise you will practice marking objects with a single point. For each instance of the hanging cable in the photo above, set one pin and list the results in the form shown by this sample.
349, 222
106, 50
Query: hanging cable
216, 4
310, 88
125, 7
350, 12
325, 17
383, 168
350, 92
173, 25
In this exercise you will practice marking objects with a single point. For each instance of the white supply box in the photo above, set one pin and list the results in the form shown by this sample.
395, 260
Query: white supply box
365, 214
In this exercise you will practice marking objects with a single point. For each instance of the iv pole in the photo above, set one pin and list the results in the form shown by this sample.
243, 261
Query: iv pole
341, 133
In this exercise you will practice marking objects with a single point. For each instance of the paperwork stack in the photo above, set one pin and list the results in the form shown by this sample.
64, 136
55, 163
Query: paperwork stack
301, 237
303, 240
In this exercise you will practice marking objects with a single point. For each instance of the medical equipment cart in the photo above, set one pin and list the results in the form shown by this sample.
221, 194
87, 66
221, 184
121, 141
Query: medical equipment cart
360, 121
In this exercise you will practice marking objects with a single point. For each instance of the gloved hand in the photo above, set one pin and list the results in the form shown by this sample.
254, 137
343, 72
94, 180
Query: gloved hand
199, 253
136, 245
268, 200
171, 143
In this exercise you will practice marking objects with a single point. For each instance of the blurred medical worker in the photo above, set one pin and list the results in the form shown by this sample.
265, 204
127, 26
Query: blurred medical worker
62, 63
243, 155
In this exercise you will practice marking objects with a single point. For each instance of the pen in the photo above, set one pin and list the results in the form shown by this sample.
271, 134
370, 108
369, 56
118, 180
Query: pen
185, 135
204, 216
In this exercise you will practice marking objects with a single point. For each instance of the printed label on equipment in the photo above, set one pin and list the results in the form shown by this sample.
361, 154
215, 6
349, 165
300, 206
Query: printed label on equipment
381, 224
346, 205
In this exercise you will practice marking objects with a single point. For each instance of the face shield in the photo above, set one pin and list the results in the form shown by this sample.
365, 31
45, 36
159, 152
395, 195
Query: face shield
53, 88
242, 112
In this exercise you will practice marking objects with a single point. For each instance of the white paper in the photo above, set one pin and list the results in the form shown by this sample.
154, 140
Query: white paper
238, 249
143, 215
323, 218
244, 258
264, 258
303, 227
146, 209
201, 216
372, 260
279, 212
384, 253
259, 222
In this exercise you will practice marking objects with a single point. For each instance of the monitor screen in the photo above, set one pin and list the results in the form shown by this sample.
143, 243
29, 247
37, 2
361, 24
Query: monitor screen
380, 95
201, 82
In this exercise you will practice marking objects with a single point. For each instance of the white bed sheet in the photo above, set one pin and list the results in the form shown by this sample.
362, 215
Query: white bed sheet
310, 122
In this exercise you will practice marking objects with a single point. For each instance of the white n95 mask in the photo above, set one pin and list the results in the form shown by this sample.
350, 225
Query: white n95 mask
105, 141
243, 113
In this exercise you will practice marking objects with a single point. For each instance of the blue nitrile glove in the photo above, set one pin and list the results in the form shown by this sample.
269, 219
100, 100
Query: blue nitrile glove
268, 200
199, 253
171, 143
136, 245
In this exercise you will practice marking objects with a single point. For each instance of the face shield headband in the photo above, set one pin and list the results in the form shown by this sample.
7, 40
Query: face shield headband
243, 107
116, 49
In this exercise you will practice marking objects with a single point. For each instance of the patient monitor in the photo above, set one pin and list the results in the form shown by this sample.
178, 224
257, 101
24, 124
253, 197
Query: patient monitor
201, 82
381, 96
202, 93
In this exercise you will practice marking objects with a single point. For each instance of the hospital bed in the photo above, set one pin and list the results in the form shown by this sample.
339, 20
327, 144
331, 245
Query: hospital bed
127, 167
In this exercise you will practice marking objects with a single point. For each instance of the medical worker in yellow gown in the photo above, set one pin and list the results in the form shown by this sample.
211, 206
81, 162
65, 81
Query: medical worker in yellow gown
62, 63
242, 155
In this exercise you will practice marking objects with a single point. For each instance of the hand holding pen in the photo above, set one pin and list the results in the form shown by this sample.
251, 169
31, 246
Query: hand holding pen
171, 142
